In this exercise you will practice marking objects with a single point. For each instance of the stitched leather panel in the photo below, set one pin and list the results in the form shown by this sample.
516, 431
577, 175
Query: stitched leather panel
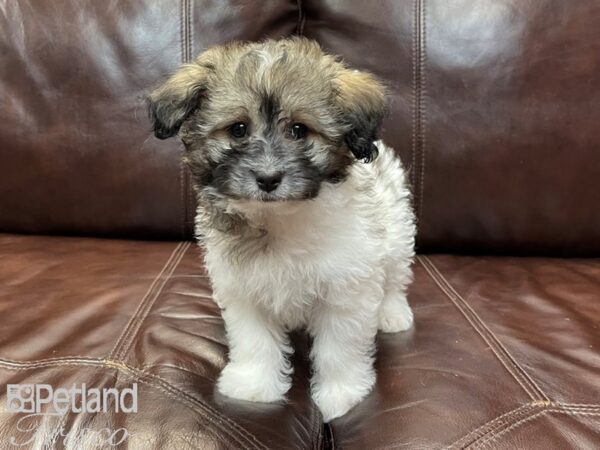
109, 313
503, 350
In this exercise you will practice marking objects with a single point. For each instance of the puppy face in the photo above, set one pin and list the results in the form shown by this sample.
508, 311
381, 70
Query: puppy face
269, 121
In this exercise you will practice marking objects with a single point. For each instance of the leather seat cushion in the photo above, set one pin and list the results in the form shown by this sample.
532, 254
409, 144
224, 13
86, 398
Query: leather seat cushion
504, 351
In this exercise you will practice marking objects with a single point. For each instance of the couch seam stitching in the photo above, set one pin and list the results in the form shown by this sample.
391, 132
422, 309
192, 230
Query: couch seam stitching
132, 319
182, 174
182, 183
472, 322
498, 422
485, 441
541, 395
497, 348
163, 386
419, 56
483, 429
423, 99
190, 196
524, 373
33, 363
494, 437
580, 405
593, 409
147, 307
414, 98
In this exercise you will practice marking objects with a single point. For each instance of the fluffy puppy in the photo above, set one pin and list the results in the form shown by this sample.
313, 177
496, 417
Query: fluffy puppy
304, 216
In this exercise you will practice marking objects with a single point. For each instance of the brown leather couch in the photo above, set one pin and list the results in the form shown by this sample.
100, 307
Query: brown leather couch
495, 108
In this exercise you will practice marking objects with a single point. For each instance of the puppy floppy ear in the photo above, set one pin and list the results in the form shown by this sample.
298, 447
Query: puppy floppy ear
363, 105
172, 102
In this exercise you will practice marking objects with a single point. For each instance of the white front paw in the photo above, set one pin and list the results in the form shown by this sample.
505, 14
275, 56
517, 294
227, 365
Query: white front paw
253, 382
336, 399
395, 316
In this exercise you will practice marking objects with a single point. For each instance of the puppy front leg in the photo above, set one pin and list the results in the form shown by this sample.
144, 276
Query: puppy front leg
342, 353
258, 368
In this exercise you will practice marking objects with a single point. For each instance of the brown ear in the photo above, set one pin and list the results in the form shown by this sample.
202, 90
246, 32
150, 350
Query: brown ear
172, 102
363, 104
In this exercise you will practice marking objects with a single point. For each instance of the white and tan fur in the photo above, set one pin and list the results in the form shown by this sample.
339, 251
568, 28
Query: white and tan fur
336, 263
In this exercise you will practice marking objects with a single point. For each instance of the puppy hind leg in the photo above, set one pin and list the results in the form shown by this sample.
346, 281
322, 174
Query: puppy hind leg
258, 368
395, 314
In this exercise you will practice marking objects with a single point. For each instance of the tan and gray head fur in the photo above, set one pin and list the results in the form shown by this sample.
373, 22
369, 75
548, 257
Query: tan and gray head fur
269, 121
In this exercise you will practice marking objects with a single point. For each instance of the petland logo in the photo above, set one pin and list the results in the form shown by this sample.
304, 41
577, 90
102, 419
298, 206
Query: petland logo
44, 399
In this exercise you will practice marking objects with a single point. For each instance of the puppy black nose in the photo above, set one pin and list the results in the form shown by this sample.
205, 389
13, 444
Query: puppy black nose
268, 182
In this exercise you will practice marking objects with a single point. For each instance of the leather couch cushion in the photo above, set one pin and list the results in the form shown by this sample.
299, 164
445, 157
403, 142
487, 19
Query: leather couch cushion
504, 353
110, 313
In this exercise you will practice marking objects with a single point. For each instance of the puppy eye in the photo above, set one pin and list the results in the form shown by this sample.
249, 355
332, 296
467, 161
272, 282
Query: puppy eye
299, 131
238, 130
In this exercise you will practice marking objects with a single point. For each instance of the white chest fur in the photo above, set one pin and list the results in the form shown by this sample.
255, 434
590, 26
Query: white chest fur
347, 234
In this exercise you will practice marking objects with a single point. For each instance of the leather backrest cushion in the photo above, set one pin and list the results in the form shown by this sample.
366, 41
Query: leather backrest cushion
495, 110
76, 152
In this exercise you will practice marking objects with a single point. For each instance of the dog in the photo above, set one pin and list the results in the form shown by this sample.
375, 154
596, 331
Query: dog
304, 216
